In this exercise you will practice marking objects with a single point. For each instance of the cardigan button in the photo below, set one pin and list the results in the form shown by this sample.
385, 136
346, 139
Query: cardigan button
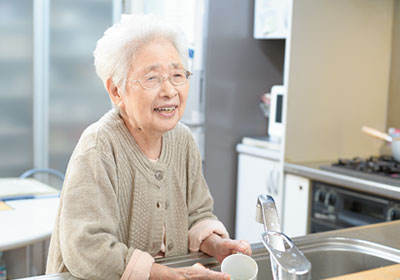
159, 204
159, 175
170, 246
166, 205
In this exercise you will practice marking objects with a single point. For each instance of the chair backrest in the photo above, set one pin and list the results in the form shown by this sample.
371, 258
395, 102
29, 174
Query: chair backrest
50, 171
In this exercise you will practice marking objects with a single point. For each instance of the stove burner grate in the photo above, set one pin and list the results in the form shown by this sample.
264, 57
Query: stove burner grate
382, 165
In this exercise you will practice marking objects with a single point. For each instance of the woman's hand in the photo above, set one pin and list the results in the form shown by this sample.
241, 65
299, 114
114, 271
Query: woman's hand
226, 247
220, 248
185, 273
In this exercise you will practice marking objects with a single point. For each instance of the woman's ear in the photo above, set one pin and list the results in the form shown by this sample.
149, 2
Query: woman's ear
113, 92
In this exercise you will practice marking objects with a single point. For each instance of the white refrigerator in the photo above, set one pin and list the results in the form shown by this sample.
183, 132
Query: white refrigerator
191, 16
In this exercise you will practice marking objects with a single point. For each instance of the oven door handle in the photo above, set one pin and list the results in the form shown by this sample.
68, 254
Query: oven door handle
355, 219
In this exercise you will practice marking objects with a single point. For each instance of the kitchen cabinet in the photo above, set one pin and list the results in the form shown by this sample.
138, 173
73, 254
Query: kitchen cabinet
257, 175
297, 205
270, 19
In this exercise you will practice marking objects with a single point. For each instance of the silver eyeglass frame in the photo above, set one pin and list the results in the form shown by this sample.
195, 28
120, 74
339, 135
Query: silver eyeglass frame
188, 74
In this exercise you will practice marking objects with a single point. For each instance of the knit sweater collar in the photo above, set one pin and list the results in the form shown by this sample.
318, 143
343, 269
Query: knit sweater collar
115, 121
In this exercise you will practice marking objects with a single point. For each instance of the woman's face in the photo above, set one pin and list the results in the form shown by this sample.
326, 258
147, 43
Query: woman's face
154, 111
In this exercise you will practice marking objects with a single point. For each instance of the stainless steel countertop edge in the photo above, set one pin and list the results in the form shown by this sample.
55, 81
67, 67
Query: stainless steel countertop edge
383, 233
348, 182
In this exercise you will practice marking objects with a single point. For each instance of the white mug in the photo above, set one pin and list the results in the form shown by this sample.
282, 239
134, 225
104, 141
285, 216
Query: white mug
240, 267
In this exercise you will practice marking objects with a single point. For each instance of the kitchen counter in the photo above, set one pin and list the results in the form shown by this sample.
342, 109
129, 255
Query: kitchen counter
312, 171
258, 151
383, 233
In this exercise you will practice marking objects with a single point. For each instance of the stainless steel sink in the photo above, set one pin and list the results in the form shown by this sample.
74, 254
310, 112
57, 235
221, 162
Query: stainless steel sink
335, 256
330, 256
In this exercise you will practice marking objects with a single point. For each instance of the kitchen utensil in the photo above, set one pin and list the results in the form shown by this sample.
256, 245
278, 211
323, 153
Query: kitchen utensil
395, 141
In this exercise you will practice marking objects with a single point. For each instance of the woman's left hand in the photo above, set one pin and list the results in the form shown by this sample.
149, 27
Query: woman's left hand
226, 247
220, 248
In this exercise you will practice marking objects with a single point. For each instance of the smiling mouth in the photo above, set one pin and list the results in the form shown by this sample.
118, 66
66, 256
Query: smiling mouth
166, 109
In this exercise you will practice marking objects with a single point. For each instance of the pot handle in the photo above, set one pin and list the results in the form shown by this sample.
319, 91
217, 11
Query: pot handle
376, 133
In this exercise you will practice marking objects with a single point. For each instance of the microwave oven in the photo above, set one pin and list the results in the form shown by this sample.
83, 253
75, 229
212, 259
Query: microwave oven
275, 120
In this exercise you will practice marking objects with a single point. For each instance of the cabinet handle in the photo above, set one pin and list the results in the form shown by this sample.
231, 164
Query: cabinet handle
276, 181
269, 182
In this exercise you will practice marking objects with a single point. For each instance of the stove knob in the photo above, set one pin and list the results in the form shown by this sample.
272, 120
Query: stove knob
393, 214
320, 195
330, 199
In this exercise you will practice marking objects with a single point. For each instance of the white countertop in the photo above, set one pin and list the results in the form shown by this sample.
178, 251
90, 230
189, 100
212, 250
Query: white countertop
29, 221
258, 151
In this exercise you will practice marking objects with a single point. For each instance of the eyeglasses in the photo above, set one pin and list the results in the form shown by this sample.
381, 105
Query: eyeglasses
154, 81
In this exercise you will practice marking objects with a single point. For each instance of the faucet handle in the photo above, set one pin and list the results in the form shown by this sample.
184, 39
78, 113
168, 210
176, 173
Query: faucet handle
289, 263
267, 214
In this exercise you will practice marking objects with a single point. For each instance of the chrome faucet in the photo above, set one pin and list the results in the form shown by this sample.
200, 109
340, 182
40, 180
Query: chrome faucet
287, 262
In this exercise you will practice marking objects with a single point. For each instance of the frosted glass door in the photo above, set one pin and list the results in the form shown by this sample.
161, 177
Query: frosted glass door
16, 87
77, 97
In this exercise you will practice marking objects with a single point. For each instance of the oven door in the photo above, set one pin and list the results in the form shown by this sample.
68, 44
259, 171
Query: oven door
357, 209
334, 207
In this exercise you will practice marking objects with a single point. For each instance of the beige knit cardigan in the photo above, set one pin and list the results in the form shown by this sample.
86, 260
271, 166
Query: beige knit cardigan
115, 200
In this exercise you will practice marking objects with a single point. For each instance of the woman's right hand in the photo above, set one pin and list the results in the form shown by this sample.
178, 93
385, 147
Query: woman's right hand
185, 273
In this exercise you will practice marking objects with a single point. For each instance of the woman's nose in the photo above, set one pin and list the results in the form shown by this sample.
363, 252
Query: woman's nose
167, 89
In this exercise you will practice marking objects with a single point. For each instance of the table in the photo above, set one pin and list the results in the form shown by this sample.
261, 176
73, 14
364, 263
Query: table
29, 221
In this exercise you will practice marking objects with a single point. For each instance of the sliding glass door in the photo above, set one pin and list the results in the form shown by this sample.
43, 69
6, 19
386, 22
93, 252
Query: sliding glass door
16, 87
76, 95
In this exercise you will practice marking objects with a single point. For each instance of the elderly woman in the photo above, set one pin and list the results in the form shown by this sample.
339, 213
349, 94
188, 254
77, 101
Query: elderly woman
134, 188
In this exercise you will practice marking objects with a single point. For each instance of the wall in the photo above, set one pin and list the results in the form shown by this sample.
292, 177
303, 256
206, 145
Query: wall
338, 78
238, 70
393, 119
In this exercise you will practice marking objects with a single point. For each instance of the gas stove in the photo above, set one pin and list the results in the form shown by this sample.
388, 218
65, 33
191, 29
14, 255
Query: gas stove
381, 169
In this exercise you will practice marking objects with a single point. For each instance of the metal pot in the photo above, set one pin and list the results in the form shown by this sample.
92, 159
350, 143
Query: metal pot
396, 148
395, 142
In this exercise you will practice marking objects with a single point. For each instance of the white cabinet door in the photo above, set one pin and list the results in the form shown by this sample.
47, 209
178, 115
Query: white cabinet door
255, 176
297, 199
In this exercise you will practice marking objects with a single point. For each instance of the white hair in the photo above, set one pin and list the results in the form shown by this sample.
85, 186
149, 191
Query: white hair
117, 47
